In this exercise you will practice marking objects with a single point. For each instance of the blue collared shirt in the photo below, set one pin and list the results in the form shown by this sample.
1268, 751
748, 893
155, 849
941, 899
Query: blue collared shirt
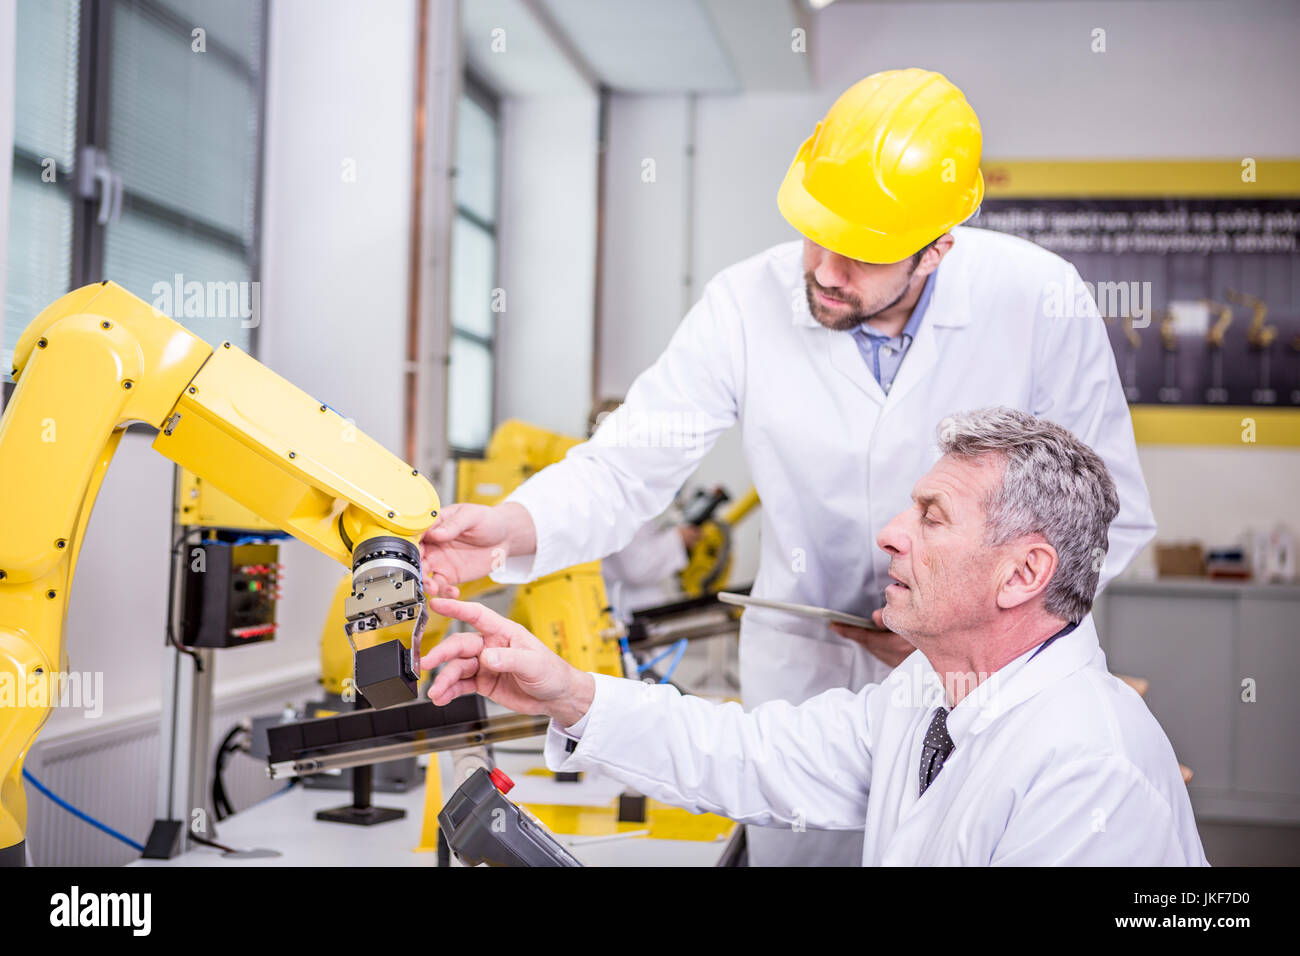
883, 354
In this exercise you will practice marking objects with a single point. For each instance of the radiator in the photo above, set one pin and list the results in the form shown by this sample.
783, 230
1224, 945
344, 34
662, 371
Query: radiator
111, 772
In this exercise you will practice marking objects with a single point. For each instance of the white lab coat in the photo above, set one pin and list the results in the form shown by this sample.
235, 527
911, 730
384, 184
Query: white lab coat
832, 456
1055, 762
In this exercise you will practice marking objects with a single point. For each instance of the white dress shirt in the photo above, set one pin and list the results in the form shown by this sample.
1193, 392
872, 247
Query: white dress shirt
1055, 761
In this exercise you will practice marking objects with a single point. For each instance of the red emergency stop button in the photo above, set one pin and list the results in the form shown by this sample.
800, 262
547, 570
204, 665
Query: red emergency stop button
501, 781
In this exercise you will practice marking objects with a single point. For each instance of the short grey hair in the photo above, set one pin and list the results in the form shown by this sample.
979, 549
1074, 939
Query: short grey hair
1053, 485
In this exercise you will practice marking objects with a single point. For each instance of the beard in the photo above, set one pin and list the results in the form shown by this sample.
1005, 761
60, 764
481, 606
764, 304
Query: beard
857, 312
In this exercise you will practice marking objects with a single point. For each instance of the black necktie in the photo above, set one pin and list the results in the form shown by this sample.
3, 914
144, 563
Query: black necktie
936, 748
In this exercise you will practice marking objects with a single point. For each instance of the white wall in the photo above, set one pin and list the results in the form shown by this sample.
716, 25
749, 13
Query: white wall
336, 253
645, 271
1179, 79
335, 267
547, 260
1212, 494
651, 274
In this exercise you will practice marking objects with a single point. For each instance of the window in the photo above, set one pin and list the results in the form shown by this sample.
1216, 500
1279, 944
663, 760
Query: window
41, 196
474, 295
137, 158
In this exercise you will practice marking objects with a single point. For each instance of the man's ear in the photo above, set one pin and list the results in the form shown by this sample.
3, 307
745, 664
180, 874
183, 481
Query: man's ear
933, 256
943, 244
1026, 574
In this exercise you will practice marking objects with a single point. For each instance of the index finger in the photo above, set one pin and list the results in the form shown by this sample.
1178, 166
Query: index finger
451, 647
482, 619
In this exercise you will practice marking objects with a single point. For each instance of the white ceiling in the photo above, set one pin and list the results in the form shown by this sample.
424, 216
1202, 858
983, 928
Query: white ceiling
758, 35
636, 46
531, 63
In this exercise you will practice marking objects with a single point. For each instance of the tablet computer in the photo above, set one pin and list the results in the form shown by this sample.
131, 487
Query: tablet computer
803, 610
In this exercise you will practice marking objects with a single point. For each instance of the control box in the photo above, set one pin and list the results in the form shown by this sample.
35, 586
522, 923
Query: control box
483, 826
229, 594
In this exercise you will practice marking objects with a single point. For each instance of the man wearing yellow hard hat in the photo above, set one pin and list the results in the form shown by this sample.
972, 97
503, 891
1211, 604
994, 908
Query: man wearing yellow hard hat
838, 355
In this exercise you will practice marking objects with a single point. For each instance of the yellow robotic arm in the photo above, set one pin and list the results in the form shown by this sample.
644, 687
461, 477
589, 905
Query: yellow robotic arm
99, 359
708, 566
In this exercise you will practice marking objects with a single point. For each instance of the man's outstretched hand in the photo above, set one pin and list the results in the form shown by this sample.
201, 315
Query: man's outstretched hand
507, 664
469, 541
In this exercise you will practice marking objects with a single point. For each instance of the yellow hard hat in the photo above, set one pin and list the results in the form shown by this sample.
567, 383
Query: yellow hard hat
893, 166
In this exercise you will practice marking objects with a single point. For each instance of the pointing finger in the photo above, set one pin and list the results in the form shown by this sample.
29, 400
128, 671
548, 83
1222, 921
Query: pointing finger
447, 695
484, 620
452, 673
454, 646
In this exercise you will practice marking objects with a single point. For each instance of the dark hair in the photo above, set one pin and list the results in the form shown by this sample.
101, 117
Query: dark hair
916, 256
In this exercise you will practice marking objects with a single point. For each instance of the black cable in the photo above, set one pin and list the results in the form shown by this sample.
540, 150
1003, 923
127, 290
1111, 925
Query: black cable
223, 756
225, 797
681, 689
212, 843
221, 804
171, 604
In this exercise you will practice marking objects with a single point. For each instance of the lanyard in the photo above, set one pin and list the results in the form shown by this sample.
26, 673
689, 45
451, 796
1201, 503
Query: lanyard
1061, 633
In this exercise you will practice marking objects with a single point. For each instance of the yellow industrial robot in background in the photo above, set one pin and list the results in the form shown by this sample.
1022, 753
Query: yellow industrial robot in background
708, 567
99, 359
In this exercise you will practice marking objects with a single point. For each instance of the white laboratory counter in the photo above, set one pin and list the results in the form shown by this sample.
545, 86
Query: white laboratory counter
287, 823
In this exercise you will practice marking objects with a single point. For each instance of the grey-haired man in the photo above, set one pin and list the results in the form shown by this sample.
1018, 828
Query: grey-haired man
1002, 740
